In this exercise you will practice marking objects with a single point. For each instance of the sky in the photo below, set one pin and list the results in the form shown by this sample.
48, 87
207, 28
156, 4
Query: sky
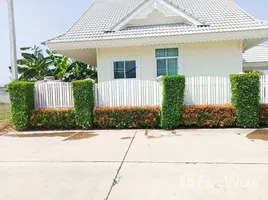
39, 20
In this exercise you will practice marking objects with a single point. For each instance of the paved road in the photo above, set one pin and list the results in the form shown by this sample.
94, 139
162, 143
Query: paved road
189, 165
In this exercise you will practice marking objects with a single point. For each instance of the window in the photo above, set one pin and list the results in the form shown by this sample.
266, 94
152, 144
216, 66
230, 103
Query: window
124, 69
167, 61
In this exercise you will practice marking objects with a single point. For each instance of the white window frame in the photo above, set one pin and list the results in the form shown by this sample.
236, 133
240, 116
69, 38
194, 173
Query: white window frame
167, 46
125, 72
124, 59
167, 57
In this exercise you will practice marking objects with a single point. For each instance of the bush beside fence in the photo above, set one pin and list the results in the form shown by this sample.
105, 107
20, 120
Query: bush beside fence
83, 103
22, 102
209, 116
127, 117
63, 119
264, 114
172, 102
246, 98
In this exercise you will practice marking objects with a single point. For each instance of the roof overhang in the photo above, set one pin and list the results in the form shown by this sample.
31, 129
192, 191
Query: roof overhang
262, 65
88, 56
250, 38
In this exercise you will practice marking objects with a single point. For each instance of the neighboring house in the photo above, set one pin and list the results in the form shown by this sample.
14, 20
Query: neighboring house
256, 59
144, 39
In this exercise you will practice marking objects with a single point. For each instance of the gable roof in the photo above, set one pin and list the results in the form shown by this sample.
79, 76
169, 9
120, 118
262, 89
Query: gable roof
256, 54
99, 21
159, 4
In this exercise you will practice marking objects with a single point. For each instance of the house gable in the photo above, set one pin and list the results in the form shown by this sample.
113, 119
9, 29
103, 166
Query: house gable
156, 12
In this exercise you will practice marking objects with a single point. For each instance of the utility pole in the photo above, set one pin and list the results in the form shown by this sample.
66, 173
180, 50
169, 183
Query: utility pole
12, 36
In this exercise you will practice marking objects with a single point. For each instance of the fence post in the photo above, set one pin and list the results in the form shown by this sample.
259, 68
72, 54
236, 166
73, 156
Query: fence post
172, 102
246, 98
83, 103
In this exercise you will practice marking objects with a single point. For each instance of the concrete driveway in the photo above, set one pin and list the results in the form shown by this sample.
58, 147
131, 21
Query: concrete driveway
134, 165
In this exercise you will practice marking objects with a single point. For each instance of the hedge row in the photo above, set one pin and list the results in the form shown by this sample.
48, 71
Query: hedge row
246, 98
22, 102
127, 117
209, 116
53, 119
245, 111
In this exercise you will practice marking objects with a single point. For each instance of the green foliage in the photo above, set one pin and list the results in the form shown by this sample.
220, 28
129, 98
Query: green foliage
172, 101
53, 119
246, 98
22, 102
35, 64
80, 71
127, 117
83, 103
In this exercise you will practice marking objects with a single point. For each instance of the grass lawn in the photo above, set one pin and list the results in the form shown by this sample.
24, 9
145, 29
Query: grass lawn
5, 125
4, 111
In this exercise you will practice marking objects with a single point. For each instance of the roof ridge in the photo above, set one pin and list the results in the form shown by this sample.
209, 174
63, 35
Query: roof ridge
189, 14
82, 15
244, 11
60, 35
170, 2
128, 14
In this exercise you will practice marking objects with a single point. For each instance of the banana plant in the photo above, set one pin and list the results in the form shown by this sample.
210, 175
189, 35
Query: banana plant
80, 71
33, 65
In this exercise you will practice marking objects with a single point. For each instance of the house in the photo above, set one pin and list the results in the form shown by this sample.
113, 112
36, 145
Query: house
143, 39
256, 59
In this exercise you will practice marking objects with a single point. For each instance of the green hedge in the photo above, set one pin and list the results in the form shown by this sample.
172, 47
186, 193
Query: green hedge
246, 98
127, 117
172, 101
63, 119
21, 96
83, 103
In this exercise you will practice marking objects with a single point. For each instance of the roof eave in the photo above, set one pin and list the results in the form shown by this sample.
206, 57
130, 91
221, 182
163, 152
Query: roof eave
186, 38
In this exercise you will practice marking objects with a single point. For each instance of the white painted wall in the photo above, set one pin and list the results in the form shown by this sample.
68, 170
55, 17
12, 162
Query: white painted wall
212, 58
196, 59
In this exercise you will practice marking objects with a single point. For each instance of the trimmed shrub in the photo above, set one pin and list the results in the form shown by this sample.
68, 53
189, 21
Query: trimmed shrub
127, 117
264, 114
83, 103
53, 119
22, 102
246, 98
172, 101
209, 116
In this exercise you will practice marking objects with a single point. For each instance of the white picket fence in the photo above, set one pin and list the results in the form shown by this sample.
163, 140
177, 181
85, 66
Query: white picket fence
127, 92
53, 95
204, 90
130, 92
264, 89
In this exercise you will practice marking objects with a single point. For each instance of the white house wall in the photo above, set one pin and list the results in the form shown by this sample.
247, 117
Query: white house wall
212, 58
196, 59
